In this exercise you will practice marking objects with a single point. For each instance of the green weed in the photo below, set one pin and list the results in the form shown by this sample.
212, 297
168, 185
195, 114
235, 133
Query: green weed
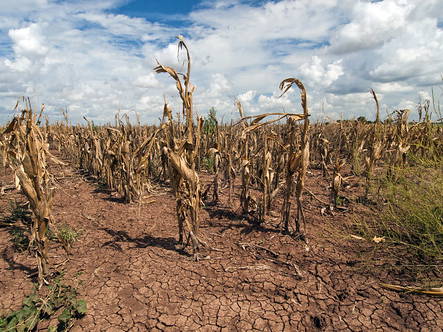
208, 164
57, 300
66, 235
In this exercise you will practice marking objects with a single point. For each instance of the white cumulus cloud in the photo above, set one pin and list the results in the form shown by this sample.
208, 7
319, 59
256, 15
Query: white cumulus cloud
84, 56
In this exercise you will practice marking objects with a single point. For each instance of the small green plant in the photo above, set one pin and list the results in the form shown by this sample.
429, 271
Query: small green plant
208, 163
66, 236
210, 123
56, 300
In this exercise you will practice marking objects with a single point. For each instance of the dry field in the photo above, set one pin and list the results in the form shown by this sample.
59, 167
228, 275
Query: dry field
270, 223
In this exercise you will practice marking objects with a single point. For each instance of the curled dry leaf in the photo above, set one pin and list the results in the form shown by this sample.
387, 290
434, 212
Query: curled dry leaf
377, 239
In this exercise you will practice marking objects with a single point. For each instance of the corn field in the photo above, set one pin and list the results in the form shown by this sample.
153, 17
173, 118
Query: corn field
259, 164
268, 157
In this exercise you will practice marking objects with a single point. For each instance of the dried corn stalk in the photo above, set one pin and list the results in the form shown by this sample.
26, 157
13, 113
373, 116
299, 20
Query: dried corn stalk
357, 142
376, 145
26, 152
403, 145
337, 180
181, 154
298, 161
122, 157
247, 201
266, 179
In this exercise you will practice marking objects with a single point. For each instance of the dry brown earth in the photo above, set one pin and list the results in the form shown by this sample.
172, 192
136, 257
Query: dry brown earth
134, 279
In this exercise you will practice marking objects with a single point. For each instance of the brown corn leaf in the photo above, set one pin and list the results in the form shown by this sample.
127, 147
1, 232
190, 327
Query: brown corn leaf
429, 291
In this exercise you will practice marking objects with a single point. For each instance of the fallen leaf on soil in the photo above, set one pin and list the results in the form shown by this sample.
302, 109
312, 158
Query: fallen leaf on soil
378, 239
259, 267
429, 291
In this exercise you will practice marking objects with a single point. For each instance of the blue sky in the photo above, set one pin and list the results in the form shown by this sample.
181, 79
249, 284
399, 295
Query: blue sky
95, 58
143, 7
166, 11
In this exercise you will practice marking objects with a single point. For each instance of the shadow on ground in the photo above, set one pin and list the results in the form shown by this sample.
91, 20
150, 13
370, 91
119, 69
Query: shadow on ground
168, 243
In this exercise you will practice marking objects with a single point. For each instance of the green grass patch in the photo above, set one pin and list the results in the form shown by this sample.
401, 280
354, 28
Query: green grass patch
412, 213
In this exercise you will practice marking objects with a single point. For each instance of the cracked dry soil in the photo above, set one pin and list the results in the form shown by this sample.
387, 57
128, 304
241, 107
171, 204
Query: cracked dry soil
253, 279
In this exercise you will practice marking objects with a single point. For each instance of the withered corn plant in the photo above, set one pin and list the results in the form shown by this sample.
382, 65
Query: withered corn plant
266, 179
211, 149
132, 159
357, 141
26, 151
181, 153
249, 164
122, 157
323, 150
402, 135
255, 164
215, 156
376, 146
3, 151
229, 156
298, 158
337, 180
424, 136
400, 142
246, 200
